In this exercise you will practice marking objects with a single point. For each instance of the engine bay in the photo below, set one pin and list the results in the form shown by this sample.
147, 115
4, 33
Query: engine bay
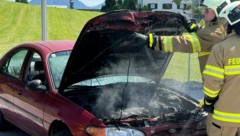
136, 105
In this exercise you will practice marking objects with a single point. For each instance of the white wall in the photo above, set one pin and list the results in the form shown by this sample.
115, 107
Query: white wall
161, 2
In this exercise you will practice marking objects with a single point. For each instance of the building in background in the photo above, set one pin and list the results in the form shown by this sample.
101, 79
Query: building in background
167, 5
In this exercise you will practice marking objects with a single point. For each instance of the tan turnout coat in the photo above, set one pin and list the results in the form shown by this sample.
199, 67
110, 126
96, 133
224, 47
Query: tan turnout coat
200, 41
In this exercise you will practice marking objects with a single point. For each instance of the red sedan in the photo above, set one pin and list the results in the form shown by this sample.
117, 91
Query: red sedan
107, 79
34, 105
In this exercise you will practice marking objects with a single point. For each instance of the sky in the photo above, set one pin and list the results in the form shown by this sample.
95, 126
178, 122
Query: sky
92, 2
86, 2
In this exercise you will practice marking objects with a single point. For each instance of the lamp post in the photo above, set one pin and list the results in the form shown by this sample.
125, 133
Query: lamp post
44, 20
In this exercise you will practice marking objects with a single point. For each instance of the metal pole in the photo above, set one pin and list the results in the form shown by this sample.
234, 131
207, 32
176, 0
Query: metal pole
189, 66
44, 20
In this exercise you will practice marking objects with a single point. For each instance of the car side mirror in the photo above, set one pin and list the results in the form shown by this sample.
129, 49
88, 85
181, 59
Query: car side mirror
36, 85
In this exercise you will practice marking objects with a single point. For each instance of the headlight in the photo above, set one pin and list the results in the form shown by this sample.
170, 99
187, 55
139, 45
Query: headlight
113, 131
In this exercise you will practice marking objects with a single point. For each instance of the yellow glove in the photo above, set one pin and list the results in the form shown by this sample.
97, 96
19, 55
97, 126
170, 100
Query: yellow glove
201, 103
188, 24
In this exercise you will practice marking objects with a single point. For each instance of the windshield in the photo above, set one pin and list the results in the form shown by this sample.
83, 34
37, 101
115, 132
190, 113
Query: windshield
112, 79
57, 64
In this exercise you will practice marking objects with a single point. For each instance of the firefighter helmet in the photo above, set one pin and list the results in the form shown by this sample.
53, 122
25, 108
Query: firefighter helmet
216, 5
231, 13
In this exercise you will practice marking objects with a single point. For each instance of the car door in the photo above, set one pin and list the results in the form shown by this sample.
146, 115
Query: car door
29, 103
10, 73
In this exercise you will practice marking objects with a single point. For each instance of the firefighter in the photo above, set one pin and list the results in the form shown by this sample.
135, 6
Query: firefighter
200, 41
222, 78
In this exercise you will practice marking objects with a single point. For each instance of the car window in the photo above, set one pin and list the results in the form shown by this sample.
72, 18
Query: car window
14, 64
36, 69
57, 64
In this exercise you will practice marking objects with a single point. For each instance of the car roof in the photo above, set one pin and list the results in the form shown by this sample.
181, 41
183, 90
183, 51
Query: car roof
53, 46
43, 47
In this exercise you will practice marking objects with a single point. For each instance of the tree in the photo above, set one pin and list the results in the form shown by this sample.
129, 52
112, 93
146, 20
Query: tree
116, 7
22, 1
120, 2
25, 1
146, 8
177, 2
196, 11
188, 7
130, 4
109, 4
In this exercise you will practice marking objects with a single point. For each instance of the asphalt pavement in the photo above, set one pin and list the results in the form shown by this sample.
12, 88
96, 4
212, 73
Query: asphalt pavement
13, 131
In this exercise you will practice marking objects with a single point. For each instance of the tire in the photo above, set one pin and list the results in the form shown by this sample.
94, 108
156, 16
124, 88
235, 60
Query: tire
63, 132
60, 129
3, 122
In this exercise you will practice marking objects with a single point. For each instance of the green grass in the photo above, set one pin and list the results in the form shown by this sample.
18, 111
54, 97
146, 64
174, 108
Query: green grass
178, 68
22, 23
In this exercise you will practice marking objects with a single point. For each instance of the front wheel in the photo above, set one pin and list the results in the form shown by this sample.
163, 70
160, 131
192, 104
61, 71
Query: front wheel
3, 122
64, 132
60, 129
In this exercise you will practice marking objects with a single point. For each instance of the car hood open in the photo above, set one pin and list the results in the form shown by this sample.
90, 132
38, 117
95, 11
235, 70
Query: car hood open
115, 44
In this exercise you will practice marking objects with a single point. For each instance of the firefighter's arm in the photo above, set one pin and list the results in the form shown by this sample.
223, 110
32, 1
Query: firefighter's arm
153, 42
176, 43
213, 75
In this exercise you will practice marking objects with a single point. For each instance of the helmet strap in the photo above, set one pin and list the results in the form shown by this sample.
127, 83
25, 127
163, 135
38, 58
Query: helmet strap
229, 29
236, 27
214, 19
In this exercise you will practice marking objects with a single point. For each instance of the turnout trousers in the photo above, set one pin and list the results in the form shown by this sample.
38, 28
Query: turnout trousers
214, 129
